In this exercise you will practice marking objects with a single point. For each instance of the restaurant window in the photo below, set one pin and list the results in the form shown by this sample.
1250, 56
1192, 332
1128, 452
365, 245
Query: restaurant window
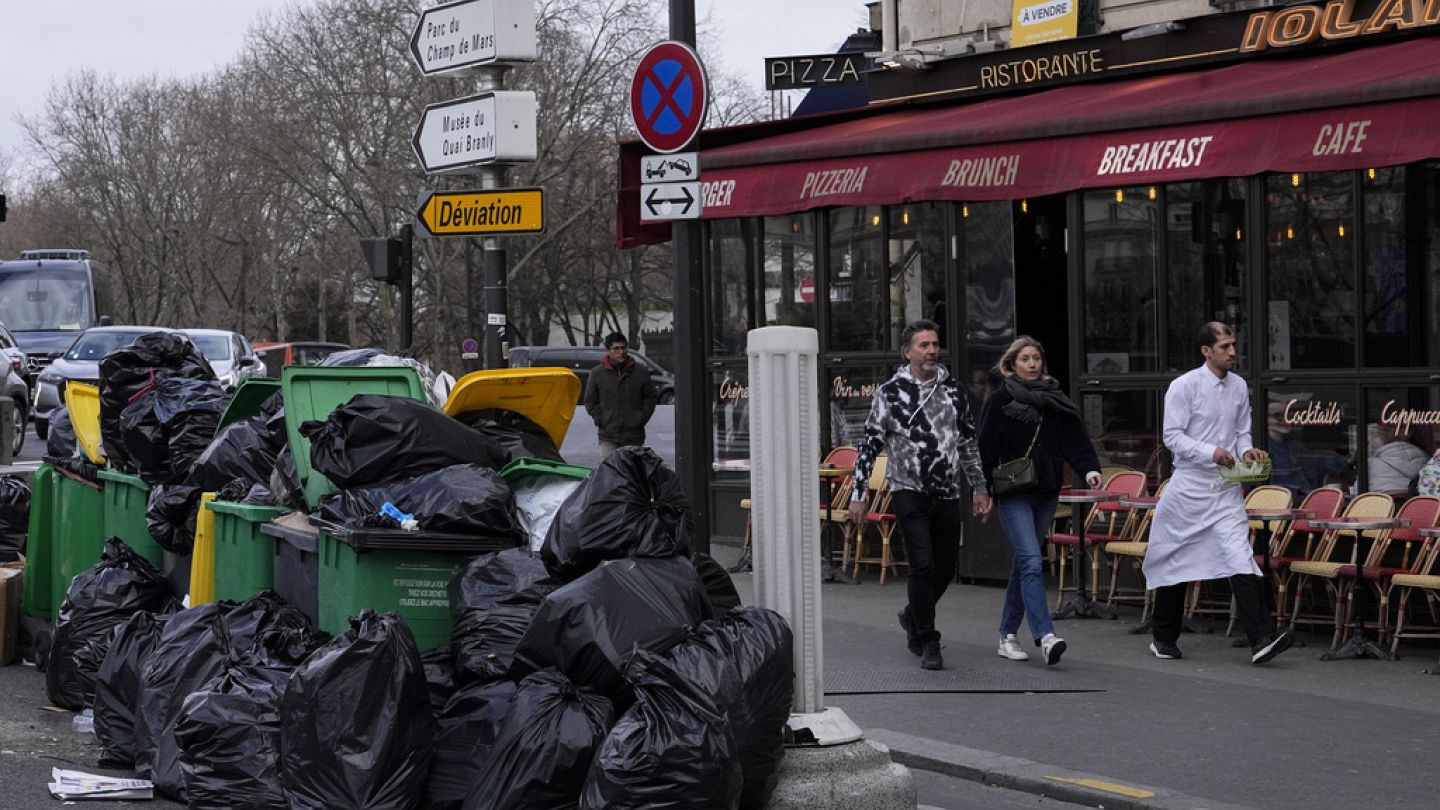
1401, 265
1402, 431
917, 266
1310, 255
730, 419
849, 391
1311, 437
987, 256
1124, 426
1121, 258
1205, 276
857, 280
732, 300
789, 260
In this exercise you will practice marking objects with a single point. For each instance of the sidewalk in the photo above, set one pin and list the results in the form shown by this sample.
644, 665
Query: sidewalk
1210, 730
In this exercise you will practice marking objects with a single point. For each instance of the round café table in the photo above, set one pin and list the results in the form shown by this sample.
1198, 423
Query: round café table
1358, 646
1080, 605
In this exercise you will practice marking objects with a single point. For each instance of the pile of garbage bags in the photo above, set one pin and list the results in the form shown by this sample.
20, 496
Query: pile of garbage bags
14, 517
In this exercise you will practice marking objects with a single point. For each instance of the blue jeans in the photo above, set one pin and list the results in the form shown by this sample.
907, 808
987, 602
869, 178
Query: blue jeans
1026, 518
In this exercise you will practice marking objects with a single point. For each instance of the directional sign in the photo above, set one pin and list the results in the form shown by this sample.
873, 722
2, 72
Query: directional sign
474, 213
677, 168
668, 96
662, 201
473, 33
456, 136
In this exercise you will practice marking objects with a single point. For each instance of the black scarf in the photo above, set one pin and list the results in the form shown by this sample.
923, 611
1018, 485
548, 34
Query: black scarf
1028, 397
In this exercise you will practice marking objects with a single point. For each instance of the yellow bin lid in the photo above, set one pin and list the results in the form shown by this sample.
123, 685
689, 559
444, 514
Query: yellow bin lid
545, 396
82, 400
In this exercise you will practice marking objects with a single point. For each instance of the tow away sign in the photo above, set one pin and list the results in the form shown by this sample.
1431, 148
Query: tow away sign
483, 213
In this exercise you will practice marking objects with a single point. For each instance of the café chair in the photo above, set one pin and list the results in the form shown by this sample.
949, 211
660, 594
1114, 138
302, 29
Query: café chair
1400, 551
1133, 550
1101, 529
1423, 582
1297, 542
1336, 549
879, 517
1063, 512
844, 457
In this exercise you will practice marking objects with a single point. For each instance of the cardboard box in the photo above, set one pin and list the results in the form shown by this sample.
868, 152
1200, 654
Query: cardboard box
12, 576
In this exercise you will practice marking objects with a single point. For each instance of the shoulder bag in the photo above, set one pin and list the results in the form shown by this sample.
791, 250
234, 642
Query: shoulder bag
1017, 476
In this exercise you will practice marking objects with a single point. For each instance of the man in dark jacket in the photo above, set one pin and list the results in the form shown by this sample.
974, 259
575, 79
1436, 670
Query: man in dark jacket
620, 397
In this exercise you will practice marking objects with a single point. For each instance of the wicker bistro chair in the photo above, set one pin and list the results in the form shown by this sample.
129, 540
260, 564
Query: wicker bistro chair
1267, 496
1424, 582
1133, 550
1297, 543
1119, 524
1337, 548
1400, 551
879, 517
1063, 512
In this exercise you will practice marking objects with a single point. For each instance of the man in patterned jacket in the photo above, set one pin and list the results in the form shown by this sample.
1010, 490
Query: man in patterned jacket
921, 419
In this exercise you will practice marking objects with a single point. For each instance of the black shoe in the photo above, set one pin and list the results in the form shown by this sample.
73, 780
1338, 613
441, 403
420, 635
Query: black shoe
911, 643
931, 659
1164, 649
1272, 646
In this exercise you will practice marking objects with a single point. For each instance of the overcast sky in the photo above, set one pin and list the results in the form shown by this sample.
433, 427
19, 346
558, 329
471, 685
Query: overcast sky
43, 40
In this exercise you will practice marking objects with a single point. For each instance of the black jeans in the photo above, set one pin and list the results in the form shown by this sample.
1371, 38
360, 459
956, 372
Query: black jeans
931, 528
1249, 604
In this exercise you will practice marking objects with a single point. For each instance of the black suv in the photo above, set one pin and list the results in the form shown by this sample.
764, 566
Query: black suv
580, 359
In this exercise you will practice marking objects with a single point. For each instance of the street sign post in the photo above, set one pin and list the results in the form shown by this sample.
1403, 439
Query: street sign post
491, 212
665, 201
668, 96
469, 34
460, 136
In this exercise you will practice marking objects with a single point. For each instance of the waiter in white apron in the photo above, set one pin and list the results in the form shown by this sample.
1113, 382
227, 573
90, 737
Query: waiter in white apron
1200, 530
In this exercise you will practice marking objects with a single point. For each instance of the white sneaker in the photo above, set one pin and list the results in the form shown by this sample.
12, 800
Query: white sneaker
1052, 647
1010, 648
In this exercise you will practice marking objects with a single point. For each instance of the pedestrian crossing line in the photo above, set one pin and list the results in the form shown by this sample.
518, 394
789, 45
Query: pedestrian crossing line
1108, 787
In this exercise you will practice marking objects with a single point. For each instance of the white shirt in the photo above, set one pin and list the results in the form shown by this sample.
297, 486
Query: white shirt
1203, 412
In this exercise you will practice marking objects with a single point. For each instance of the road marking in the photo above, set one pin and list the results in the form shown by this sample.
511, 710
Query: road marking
1108, 787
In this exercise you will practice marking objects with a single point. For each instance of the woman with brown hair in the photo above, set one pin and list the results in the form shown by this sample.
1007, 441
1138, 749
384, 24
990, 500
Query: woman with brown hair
1029, 417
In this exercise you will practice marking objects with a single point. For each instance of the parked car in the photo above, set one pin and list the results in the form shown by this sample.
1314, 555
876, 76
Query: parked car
80, 362
11, 354
229, 353
277, 355
15, 389
580, 359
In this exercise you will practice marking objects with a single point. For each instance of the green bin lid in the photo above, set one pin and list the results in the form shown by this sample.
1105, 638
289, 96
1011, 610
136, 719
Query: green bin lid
247, 400
523, 468
117, 477
253, 512
312, 392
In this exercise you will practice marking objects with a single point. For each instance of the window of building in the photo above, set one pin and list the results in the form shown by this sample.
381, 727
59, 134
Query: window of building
1401, 279
1124, 426
789, 262
732, 299
1205, 276
987, 256
849, 391
1310, 256
730, 419
916, 255
1311, 437
857, 280
1122, 235
1402, 431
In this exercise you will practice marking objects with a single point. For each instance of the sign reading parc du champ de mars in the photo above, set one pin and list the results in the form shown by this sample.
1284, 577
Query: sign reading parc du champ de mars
1208, 40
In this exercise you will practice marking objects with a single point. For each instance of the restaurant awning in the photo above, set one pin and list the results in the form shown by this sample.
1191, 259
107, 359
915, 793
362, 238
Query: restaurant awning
1375, 106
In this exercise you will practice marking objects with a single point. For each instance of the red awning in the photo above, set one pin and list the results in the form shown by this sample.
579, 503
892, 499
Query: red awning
1376, 106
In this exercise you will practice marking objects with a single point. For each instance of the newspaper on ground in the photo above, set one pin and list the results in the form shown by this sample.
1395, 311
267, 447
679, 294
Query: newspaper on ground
78, 785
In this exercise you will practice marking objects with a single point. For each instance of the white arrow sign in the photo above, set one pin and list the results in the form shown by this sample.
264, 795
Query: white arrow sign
497, 127
661, 201
474, 33
676, 168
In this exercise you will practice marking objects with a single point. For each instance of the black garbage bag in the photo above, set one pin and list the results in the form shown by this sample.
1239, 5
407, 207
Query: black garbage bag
515, 434
258, 495
439, 664
170, 516
587, 628
14, 517
117, 687
243, 450
351, 357
61, 441
632, 505
673, 748
544, 747
760, 645
356, 729
718, 585
168, 426
126, 372
228, 732
99, 600
469, 725
492, 601
465, 499
193, 650
285, 487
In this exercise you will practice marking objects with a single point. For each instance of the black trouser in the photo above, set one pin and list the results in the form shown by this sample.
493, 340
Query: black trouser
1249, 594
931, 528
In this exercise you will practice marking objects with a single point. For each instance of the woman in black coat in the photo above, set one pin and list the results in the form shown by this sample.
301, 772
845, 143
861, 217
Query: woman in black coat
1030, 415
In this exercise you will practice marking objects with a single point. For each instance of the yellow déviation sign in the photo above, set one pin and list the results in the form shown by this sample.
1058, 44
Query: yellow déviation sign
497, 211
1037, 21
